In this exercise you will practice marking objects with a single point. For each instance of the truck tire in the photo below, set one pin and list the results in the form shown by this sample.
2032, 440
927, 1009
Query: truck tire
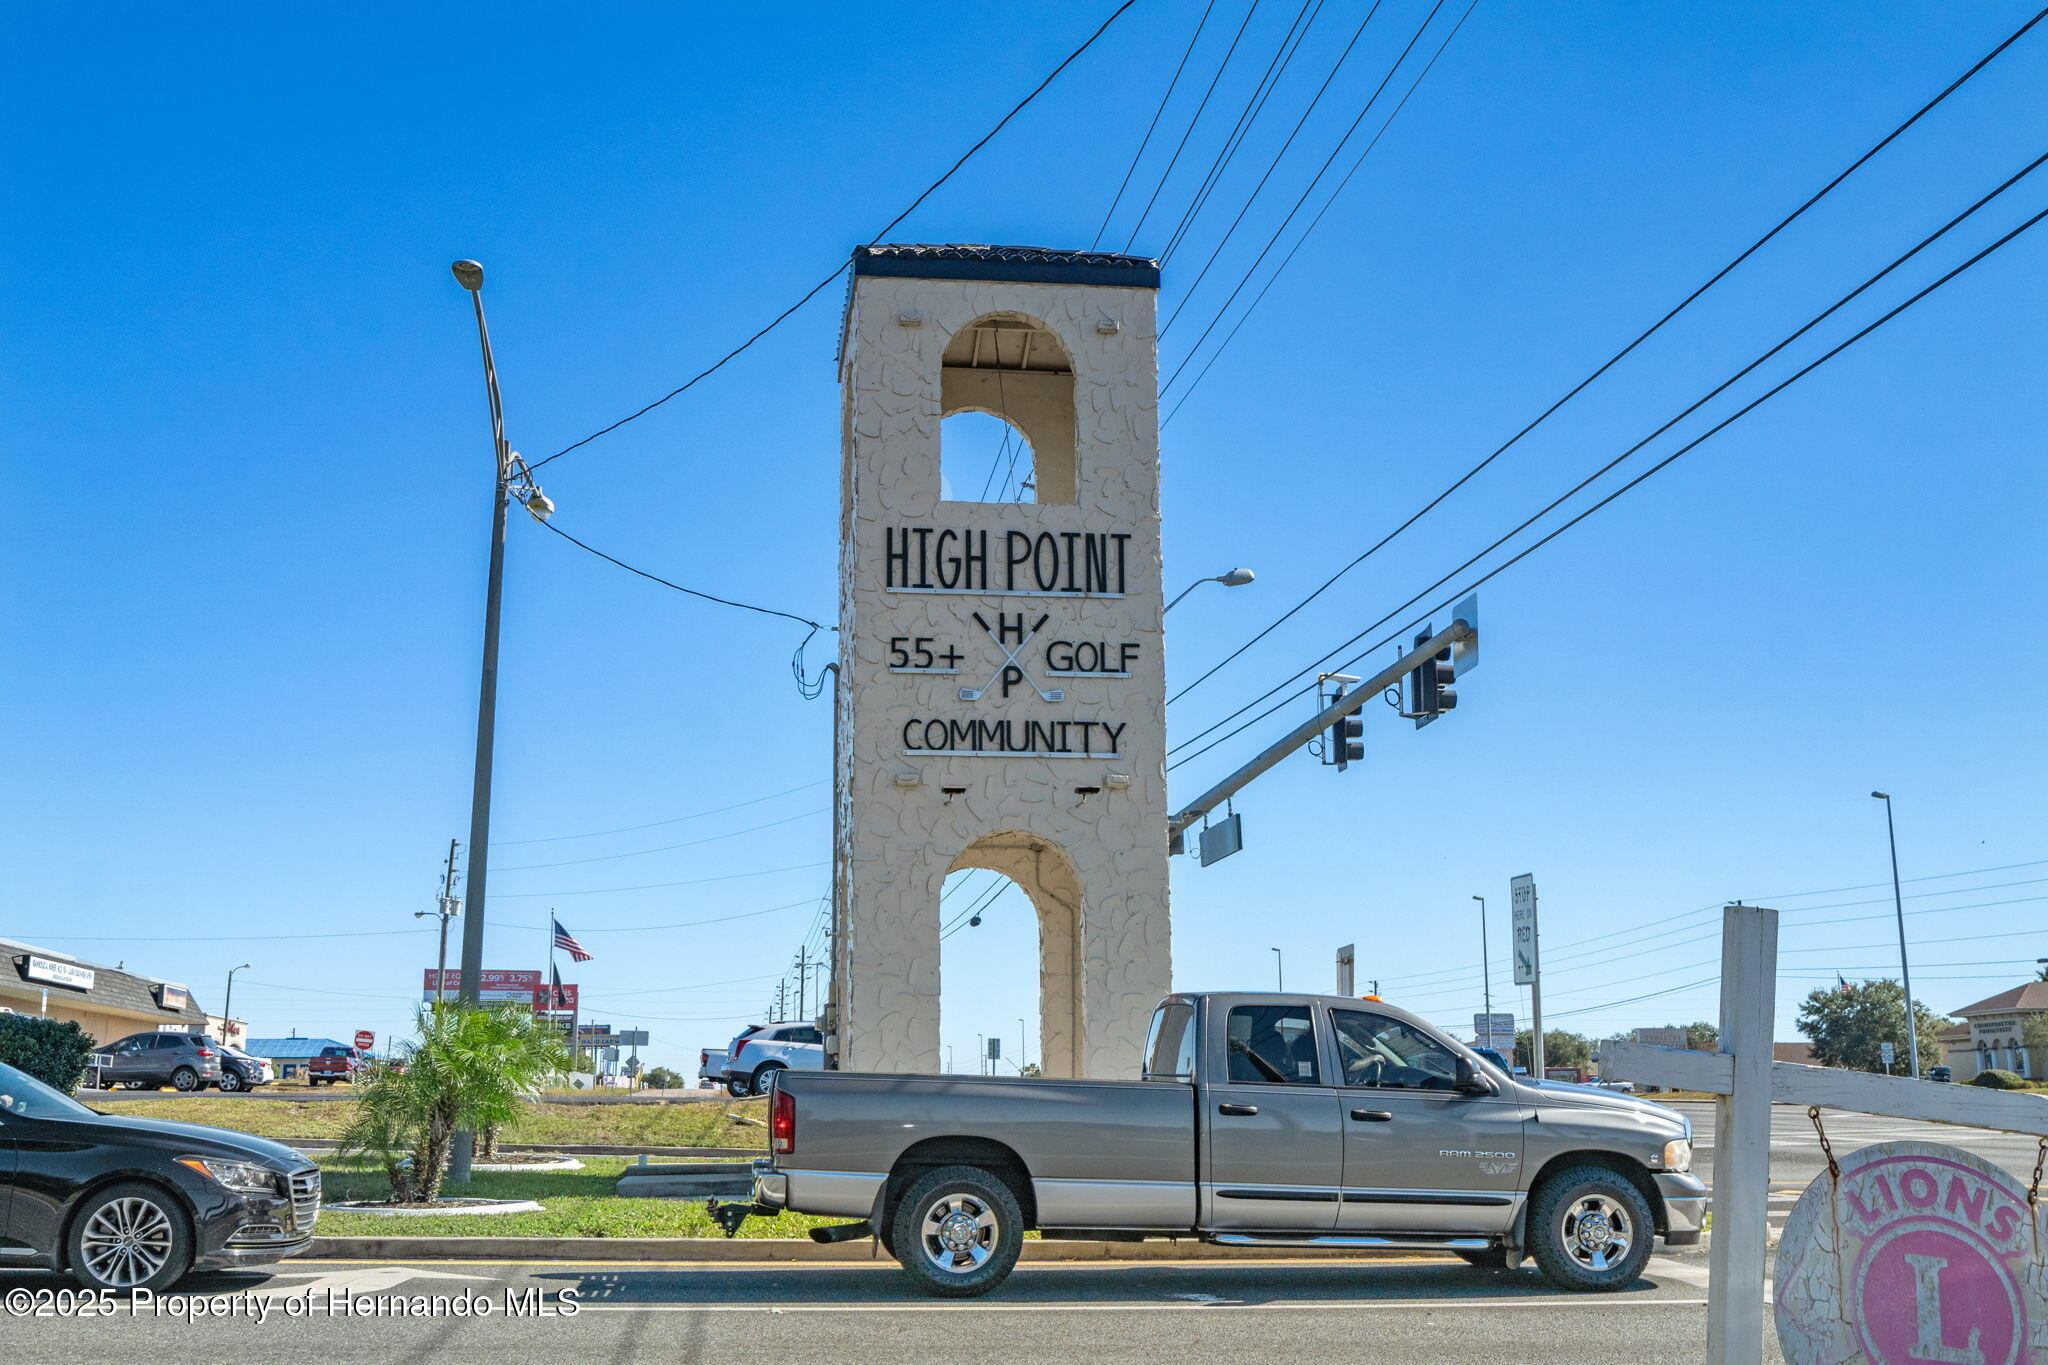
764, 1079
1590, 1229
957, 1231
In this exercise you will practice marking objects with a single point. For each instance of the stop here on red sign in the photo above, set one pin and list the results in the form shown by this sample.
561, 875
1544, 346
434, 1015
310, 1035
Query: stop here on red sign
1919, 1255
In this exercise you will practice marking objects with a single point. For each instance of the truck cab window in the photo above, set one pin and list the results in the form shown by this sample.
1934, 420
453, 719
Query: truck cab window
1385, 1054
1272, 1045
1170, 1052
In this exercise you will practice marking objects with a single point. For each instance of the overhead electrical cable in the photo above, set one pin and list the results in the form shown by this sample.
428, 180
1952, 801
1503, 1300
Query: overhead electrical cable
887, 228
655, 824
1146, 141
1188, 294
667, 848
1193, 120
1739, 413
1254, 106
1606, 365
659, 886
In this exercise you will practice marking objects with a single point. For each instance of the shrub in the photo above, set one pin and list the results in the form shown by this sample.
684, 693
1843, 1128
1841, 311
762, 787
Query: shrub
1995, 1079
52, 1051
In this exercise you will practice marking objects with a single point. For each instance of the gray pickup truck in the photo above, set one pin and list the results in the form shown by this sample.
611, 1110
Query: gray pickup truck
1262, 1120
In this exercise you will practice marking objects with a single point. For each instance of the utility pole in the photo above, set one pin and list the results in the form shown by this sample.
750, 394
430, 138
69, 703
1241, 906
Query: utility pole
510, 471
449, 908
227, 1007
1485, 967
802, 970
1905, 972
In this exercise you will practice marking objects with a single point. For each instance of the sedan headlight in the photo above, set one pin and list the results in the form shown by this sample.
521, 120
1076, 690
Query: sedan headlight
1678, 1155
245, 1176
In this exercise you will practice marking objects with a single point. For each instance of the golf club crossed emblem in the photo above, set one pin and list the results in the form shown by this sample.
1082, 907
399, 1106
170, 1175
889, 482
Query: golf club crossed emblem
1009, 673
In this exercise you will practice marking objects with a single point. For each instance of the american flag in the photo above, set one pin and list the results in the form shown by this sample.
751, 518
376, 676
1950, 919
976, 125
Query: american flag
568, 944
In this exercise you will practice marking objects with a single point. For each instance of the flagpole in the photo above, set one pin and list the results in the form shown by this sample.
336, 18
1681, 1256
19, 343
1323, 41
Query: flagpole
555, 996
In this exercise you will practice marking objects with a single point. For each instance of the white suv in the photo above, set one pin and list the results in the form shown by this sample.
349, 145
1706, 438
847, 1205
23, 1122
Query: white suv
757, 1054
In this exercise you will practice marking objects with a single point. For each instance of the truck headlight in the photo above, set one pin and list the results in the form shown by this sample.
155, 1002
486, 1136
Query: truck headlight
245, 1176
1678, 1155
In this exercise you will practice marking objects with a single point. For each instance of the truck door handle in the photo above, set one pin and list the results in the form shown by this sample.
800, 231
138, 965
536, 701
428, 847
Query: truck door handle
1372, 1116
1241, 1111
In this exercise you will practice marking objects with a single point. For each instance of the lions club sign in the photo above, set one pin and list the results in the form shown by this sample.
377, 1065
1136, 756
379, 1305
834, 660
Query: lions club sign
1919, 1254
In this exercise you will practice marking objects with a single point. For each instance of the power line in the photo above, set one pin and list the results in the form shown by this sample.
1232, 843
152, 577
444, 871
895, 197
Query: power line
1146, 141
1606, 365
1188, 294
819, 287
1724, 423
1255, 105
1196, 118
693, 592
657, 886
653, 824
667, 848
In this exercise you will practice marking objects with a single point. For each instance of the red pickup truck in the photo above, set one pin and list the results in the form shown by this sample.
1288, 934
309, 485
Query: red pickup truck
334, 1065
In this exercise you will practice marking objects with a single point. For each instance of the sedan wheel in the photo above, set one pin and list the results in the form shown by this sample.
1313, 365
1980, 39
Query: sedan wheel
129, 1237
230, 1082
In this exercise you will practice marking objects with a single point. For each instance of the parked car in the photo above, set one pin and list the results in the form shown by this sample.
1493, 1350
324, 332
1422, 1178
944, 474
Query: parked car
1262, 1120
765, 1051
126, 1204
241, 1071
1940, 1073
711, 1067
150, 1061
333, 1066
1619, 1087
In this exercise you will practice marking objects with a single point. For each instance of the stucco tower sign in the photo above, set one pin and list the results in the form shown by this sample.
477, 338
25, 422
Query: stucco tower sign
1001, 690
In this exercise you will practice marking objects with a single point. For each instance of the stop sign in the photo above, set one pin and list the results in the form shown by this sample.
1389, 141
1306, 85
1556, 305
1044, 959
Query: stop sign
365, 1040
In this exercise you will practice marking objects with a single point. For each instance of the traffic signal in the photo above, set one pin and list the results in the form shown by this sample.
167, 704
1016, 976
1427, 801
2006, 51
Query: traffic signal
1430, 693
1347, 741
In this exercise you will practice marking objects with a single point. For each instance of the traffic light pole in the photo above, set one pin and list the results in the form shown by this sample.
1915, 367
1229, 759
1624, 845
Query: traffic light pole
1457, 632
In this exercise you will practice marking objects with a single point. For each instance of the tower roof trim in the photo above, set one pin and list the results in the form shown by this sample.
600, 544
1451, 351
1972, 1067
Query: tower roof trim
1013, 264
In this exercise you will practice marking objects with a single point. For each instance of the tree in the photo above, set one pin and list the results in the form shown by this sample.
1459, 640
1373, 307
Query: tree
661, 1078
471, 1066
49, 1050
1700, 1036
1560, 1048
1847, 1023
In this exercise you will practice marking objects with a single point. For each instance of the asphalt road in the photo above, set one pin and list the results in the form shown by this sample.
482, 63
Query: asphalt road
1418, 1312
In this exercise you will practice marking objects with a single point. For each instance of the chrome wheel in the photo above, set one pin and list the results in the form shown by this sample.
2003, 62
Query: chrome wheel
1596, 1231
959, 1233
126, 1241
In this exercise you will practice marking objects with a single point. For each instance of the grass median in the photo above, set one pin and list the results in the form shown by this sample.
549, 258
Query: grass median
693, 1123
575, 1204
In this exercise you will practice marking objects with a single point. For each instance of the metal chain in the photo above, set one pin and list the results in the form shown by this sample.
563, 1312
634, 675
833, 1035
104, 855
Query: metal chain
1834, 1168
2040, 1160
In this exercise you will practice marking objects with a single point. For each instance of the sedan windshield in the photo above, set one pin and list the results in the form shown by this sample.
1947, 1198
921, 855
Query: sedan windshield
23, 1096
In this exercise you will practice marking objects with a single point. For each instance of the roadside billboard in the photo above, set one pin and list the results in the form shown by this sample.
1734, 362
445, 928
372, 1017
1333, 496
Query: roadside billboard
495, 986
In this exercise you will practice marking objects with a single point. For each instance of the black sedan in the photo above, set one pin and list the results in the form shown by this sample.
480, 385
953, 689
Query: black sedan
129, 1203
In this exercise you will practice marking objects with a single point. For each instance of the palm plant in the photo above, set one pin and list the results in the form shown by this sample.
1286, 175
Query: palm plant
471, 1066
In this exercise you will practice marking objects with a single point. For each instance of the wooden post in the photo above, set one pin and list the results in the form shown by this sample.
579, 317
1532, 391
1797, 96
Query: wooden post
1742, 1137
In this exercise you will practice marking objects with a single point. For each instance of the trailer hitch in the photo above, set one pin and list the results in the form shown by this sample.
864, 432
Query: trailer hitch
731, 1214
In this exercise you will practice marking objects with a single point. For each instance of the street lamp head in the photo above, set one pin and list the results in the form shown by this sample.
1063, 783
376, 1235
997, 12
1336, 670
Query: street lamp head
1236, 578
243, 967
540, 505
469, 275
1881, 796
1480, 899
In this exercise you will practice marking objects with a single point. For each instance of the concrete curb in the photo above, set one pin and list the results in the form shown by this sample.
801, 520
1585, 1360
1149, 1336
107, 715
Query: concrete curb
567, 1149
741, 1250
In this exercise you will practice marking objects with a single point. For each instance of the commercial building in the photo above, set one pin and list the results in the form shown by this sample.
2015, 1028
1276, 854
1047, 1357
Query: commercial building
107, 1002
1995, 1041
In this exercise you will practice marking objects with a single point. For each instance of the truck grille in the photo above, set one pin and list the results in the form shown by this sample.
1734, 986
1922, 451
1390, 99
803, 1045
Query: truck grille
305, 1191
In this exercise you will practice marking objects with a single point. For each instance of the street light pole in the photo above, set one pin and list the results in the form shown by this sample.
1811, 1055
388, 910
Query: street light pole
1485, 967
1236, 578
227, 1006
470, 276
1905, 971
1279, 971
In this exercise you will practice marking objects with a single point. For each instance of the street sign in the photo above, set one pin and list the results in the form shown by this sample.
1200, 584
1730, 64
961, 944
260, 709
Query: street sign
995, 1048
365, 1040
1887, 1053
1523, 917
1919, 1251
632, 1037
1222, 839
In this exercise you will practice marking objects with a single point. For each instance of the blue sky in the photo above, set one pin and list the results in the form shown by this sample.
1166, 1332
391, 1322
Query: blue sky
248, 464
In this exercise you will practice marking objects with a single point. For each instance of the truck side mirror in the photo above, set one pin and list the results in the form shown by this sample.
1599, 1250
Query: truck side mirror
1470, 1082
